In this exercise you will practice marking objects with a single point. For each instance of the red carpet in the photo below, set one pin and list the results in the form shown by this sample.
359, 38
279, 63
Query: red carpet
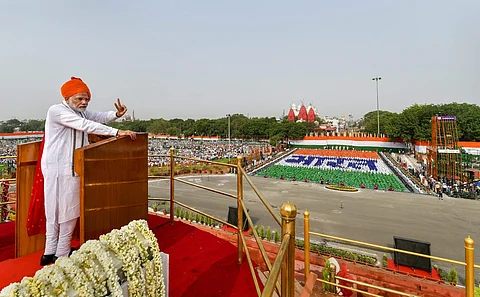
415, 272
7, 241
200, 263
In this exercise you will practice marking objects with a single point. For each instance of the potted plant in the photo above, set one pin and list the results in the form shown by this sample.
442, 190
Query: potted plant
276, 237
155, 206
268, 236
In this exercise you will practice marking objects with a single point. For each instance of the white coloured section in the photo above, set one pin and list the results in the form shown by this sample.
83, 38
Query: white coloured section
472, 151
335, 163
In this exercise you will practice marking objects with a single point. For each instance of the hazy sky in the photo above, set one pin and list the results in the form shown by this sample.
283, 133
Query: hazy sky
196, 59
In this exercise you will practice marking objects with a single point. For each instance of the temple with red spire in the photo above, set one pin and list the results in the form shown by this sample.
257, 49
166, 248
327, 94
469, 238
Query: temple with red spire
301, 113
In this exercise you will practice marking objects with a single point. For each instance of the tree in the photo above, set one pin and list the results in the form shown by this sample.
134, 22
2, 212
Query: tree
296, 130
274, 140
159, 126
201, 127
188, 127
34, 125
370, 121
415, 121
174, 131
10, 125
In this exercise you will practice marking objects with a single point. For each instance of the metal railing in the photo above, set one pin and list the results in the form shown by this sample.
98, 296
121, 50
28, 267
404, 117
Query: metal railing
285, 260
469, 260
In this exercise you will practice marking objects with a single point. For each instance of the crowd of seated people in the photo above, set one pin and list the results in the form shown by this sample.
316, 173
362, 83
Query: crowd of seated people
8, 147
255, 153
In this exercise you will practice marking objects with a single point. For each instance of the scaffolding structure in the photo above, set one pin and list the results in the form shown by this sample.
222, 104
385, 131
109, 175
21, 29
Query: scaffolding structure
444, 154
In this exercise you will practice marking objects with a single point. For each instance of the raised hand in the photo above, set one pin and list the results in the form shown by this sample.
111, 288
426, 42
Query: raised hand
121, 109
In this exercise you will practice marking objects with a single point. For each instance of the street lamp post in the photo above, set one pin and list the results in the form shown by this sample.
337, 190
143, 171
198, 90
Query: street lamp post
376, 79
229, 147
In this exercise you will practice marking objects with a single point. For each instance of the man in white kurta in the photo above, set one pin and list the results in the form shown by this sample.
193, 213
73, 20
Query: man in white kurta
66, 128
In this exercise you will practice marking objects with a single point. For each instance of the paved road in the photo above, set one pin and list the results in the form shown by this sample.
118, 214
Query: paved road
367, 215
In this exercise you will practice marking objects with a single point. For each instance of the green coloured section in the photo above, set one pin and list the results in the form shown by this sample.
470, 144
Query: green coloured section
349, 178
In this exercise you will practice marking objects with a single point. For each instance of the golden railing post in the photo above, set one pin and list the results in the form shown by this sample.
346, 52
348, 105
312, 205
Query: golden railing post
469, 269
239, 208
289, 213
306, 233
172, 189
333, 272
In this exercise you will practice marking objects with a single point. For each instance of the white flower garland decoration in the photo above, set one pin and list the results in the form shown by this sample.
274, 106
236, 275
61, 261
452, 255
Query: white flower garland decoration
91, 270
10, 290
28, 287
78, 278
87, 261
118, 242
103, 256
52, 281
141, 243
142, 227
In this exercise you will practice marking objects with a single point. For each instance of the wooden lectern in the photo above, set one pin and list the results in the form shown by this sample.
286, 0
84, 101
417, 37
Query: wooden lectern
113, 188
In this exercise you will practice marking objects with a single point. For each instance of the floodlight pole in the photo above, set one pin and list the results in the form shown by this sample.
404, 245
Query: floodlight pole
376, 79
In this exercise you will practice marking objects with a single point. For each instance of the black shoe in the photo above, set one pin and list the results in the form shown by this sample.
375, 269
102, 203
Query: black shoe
71, 251
47, 259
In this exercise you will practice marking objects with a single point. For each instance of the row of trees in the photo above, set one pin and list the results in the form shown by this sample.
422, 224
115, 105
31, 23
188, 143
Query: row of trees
240, 127
412, 123
415, 121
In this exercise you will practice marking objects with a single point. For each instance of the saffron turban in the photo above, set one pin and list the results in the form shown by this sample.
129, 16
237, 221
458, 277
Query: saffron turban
74, 86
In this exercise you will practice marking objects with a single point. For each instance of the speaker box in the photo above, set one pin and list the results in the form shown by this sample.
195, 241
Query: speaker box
233, 217
416, 246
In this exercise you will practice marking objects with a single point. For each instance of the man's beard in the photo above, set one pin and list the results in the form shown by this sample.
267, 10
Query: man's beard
76, 108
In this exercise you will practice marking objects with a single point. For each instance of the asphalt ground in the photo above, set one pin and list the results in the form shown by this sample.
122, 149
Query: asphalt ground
367, 215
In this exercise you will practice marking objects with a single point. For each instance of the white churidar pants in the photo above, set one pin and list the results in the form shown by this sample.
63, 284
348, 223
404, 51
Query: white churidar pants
62, 208
58, 238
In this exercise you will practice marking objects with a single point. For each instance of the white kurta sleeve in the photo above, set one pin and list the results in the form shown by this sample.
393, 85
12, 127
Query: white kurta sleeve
73, 120
100, 117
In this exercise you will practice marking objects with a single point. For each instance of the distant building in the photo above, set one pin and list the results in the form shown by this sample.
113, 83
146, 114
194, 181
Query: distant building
126, 118
336, 124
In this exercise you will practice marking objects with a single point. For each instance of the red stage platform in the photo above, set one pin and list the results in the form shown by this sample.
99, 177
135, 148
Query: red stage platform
201, 264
